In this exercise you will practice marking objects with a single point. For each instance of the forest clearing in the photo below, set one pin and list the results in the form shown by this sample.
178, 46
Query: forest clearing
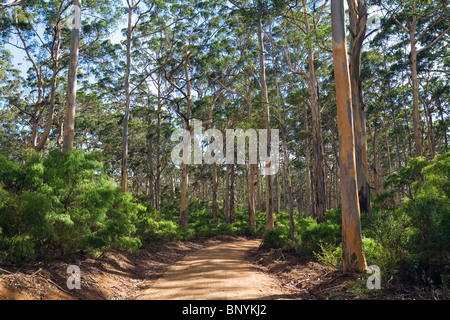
224, 150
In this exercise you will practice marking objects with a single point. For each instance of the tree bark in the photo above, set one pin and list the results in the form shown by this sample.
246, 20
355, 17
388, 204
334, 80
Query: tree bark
386, 143
352, 246
415, 88
375, 166
286, 163
258, 189
319, 175
253, 167
358, 21
124, 165
184, 213
269, 203
430, 133
308, 168
227, 192
69, 123
150, 174
232, 203
442, 121
215, 205
158, 153
40, 146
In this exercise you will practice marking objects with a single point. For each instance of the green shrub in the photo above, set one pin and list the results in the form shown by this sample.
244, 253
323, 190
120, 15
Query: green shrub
329, 256
429, 216
61, 205
311, 234
385, 236
415, 238
277, 238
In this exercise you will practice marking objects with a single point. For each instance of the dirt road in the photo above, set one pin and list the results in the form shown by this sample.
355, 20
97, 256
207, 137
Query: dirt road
219, 272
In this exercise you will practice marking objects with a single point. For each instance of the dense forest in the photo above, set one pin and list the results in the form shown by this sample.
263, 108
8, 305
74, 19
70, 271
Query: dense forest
93, 92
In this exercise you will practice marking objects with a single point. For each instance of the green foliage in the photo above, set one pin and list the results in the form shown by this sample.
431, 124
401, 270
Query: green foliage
408, 242
385, 235
202, 225
277, 238
428, 211
407, 175
313, 235
62, 205
413, 238
329, 256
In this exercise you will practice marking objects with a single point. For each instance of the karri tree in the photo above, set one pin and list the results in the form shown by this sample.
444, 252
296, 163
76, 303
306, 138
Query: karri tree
352, 246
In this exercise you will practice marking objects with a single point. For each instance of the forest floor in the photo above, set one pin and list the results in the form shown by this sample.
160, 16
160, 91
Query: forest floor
219, 268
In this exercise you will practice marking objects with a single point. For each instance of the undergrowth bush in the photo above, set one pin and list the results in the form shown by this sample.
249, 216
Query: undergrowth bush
413, 239
311, 235
62, 205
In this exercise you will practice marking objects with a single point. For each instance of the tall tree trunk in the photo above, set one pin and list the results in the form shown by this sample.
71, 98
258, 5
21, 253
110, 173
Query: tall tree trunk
415, 88
277, 191
51, 110
124, 165
258, 189
232, 203
376, 166
409, 137
430, 134
286, 162
69, 123
150, 174
227, 191
319, 175
184, 213
352, 246
442, 121
54, 81
358, 21
265, 97
215, 205
158, 156
386, 143
253, 167
307, 169
300, 202
251, 195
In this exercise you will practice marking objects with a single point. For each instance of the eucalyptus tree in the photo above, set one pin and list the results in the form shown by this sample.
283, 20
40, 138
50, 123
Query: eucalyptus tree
258, 14
352, 245
137, 12
358, 15
13, 121
280, 105
425, 23
221, 65
246, 88
189, 32
69, 118
42, 31
310, 22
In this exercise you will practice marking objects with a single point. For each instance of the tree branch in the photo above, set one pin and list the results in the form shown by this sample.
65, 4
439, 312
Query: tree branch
434, 41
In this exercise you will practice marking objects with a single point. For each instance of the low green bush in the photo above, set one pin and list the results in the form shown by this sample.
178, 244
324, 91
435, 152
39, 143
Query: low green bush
312, 234
277, 238
329, 256
413, 238
62, 205
428, 211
